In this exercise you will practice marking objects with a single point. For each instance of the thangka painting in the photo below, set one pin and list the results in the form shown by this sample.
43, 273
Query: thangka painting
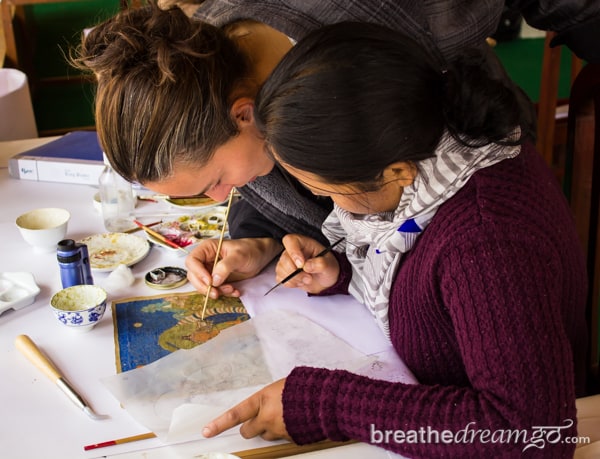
148, 328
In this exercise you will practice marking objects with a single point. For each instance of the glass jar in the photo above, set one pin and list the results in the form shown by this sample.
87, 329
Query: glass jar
117, 200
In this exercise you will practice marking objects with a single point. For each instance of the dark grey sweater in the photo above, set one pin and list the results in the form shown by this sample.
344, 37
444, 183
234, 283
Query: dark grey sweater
275, 205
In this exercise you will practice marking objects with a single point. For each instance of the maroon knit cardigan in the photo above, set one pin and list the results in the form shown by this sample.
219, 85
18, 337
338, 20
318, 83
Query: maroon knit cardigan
487, 310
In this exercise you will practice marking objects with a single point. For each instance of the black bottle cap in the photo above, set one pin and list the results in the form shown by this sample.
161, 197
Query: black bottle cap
68, 251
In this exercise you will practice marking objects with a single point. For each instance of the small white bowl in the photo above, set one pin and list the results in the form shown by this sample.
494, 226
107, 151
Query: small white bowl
44, 228
79, 307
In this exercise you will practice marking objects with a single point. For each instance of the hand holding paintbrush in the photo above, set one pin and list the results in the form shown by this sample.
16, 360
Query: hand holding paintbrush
297, 271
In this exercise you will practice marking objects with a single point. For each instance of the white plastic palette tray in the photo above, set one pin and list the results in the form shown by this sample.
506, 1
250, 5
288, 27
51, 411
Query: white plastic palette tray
17, 290
188, 230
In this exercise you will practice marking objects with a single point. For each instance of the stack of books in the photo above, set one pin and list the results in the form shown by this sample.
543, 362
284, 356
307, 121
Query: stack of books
75, 157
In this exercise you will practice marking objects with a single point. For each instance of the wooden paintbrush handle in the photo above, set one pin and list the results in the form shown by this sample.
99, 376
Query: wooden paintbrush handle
288, 449
28, 348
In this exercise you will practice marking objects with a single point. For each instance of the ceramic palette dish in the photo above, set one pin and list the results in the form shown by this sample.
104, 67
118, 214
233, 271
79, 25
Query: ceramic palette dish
109, 250
17, 290
189, 230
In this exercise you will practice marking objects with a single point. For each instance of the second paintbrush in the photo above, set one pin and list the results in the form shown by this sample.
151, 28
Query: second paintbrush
293, 274
159, 236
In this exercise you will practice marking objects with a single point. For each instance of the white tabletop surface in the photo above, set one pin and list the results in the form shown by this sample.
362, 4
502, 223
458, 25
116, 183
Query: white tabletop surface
38, 421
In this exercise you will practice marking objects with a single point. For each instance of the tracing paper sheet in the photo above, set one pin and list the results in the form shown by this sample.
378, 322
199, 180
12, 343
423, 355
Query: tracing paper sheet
177, 395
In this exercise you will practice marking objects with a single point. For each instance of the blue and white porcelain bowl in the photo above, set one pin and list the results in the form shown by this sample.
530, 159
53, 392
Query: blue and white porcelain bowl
79, 307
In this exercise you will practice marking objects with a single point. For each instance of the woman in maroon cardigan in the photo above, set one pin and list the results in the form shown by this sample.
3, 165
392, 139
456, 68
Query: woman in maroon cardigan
457, 238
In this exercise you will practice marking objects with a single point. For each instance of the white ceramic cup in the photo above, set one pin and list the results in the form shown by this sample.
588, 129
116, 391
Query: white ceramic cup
43, 228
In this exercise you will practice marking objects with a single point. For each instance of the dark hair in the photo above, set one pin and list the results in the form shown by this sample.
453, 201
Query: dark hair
350, 99
164, 83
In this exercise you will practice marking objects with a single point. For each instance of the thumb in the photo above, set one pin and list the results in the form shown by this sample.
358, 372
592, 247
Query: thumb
220, 273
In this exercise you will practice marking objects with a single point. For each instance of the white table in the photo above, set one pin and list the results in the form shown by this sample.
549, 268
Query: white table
37, 419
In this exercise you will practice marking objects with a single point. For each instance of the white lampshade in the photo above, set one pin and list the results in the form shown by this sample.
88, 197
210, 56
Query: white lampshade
17, 120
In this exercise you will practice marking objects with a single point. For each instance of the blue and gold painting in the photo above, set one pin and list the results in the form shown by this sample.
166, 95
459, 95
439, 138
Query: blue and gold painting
148, 328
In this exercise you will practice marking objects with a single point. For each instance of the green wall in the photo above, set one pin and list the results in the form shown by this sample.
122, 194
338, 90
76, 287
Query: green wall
57, 29
522, 59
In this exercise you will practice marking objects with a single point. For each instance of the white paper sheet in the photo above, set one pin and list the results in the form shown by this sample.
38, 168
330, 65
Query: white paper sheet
177, 395
342, 315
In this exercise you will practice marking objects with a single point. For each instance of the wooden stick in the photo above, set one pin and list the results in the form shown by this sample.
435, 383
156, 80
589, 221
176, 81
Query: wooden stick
288, 449
139, 228
119, 441
222, 235
266, 452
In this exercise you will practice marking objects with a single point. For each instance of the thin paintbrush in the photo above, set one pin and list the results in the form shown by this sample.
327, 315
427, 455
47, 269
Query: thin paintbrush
222, 235
120, 441
139, 228
159, 236
266, 452
325, 251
